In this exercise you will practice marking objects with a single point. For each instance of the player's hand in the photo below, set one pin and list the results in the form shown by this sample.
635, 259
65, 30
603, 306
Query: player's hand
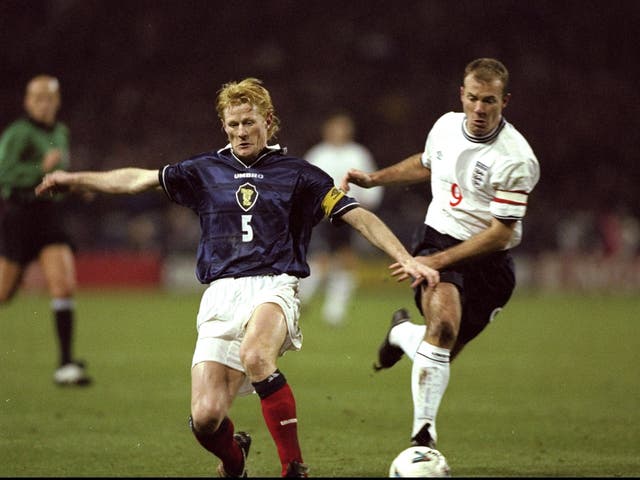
53, 182
416, 270
357, 177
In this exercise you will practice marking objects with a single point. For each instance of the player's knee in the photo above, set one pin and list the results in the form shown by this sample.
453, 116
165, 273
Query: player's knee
208, 410
444, 331
256, 363
6, 295
202, 421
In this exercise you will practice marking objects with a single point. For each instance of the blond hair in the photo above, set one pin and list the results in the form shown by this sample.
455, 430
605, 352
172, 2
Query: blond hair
250, 91
487, 70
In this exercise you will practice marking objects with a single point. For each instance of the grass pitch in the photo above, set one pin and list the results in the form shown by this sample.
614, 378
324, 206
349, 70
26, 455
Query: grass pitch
550, 389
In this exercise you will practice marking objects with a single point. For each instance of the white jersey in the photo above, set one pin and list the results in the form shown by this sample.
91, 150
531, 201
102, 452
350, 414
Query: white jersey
474, 179
337, 159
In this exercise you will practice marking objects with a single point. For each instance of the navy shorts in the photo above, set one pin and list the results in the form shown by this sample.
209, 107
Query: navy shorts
26, 228
485, 283
327, 237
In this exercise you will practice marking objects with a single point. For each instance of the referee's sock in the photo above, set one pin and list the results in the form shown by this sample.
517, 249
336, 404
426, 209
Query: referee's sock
63, 310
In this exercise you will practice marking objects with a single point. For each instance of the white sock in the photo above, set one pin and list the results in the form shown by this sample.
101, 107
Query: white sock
429, 380
62, 304
408, 337
340, 286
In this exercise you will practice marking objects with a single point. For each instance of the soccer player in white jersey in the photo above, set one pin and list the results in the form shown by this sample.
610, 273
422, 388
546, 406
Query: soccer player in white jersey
482, 171
333, 252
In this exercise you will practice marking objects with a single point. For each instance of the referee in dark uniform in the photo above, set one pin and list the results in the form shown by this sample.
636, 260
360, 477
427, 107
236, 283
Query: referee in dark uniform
31, 228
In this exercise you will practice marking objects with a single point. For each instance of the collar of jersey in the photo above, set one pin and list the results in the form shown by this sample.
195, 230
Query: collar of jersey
485, 138
43, 126
269, 149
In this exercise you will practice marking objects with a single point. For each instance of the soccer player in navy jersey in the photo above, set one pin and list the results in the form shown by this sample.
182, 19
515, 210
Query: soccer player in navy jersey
257, 206
482, 171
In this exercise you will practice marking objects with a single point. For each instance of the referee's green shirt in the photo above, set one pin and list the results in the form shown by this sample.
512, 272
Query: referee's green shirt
23, 145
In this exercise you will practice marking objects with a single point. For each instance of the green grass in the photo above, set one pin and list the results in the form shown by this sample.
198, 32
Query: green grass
550, 389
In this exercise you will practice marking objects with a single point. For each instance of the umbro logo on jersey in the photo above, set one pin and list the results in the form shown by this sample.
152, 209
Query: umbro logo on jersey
246, 195
272, 377
248, 175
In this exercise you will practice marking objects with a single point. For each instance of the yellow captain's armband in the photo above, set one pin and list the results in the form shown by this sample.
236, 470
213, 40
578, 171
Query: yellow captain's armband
330, 199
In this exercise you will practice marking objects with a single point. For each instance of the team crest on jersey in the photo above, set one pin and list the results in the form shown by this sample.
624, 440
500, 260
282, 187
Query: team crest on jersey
479, 172
246, 196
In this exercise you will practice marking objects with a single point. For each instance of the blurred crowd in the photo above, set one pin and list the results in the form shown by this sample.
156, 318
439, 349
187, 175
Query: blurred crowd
139, 83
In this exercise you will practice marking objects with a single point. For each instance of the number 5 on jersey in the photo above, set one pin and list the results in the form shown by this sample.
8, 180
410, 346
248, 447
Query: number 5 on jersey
247, 229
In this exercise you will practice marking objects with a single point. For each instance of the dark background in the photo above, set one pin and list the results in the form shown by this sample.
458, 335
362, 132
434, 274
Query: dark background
139, 80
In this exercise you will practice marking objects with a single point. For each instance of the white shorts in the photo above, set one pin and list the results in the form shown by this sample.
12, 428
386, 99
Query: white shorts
226, 307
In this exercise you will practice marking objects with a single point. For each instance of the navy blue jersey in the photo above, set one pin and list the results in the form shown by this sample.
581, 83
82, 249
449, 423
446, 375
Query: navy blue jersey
254, 219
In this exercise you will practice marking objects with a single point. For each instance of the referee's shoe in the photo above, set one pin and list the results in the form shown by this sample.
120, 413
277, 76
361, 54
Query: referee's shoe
72, 373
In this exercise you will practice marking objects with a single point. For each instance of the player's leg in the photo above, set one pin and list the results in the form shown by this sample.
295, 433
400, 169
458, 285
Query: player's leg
431, 364
10, 277
213, 388
318, 266
15, 250
341, 282
484, 299
58, 267
319, 262
340, 286
265, 335
406, 335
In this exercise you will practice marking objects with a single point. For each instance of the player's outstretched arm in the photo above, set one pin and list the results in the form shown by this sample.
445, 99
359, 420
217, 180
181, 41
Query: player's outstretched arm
120, 181
407, 171
493, 239
379, 235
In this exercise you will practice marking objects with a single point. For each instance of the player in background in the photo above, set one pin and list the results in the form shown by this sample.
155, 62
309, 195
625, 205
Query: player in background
482, 171
333, 257
32, 228
257, 206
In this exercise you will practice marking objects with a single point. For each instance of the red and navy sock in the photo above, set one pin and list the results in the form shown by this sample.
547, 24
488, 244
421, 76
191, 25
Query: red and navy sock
222, 445
279, 412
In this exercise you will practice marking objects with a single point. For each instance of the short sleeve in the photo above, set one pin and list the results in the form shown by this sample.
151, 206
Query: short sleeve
179, 184
330, 202
513, 181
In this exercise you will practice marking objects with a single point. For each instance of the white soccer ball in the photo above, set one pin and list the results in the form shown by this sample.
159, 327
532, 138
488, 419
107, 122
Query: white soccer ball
419, 462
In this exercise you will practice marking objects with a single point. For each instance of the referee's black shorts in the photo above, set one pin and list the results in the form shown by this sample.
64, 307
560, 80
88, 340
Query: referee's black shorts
485, 283
26, 228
